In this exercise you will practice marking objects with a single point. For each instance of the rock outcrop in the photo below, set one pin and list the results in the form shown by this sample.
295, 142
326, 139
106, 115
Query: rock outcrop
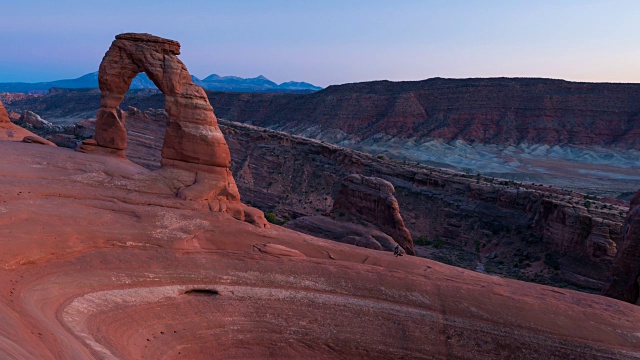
192, 142
32, 120
364, 213
371, 200
625, 273
37, 140
344, 231
12, 132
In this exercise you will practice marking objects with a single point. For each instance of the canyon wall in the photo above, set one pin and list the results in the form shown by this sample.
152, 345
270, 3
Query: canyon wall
532, 232
506, 111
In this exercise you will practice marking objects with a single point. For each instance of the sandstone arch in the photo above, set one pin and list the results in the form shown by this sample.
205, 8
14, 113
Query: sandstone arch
192, 135
193, 141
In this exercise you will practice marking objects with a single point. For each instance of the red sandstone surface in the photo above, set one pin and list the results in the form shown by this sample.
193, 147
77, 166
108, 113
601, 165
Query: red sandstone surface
12, 132
101, 259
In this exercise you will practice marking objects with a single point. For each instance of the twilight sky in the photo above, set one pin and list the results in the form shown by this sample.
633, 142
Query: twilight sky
334, 41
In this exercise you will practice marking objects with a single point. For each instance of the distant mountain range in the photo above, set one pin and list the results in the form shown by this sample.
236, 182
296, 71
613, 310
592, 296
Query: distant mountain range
212, 82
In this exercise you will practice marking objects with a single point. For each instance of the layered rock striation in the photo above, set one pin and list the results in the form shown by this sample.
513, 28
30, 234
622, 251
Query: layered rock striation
371, 200
532, 232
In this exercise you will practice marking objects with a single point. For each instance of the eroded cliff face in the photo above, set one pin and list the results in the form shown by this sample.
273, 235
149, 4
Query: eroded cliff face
502, 111
531, 232
490, 111
372, 200
364, 213
625, 275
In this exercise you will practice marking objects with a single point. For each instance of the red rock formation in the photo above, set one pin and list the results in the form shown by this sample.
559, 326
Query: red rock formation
364, 213
364, 235
192, 142
489, 111
37, 140
192, 133
9, 97
625, 273
371, 200
101, 260
4, 117
10, 131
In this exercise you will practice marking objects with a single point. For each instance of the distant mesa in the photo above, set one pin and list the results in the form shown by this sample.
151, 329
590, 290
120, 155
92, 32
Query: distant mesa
212, 82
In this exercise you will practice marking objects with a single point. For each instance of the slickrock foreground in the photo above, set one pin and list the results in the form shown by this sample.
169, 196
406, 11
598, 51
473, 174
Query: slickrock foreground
101, 260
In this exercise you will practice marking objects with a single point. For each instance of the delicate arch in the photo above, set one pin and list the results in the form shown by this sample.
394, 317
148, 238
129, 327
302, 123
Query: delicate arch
192, 134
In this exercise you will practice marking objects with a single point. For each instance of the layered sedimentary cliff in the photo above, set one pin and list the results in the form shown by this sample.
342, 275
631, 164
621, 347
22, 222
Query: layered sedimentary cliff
536, 233
490, 111
506, 111
582, 136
